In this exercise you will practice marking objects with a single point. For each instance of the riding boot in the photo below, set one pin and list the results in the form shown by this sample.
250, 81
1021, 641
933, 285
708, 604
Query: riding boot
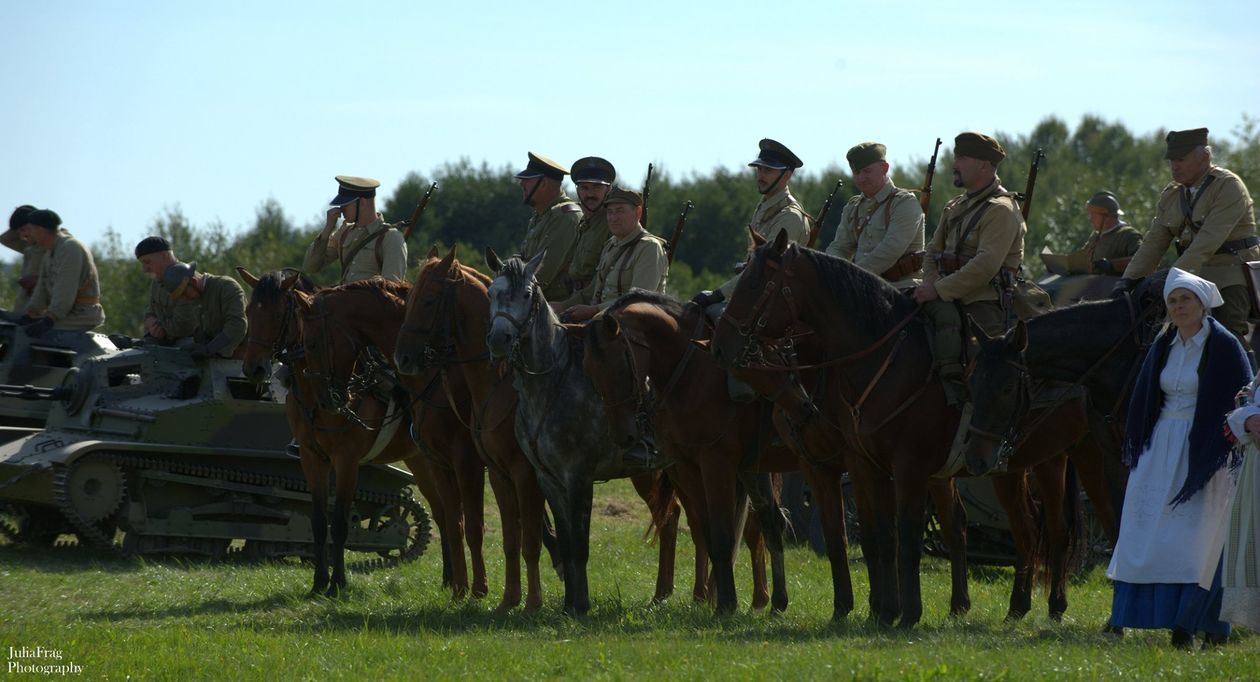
947, 348
292, 449
951, 375
739, 391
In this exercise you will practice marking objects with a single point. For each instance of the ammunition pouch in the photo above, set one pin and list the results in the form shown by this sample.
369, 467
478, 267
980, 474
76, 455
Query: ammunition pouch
905, 266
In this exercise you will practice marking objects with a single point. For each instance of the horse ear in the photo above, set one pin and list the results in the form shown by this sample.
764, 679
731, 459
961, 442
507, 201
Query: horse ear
978, 331
433, 252
534, 263
454, 250
757, 239
247, 276
447, 260
702, 344
289, 280
492, 261
780, 242
611, 327
1019, 336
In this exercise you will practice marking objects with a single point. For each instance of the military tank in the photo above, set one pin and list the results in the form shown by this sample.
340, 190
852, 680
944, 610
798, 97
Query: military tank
146, 451
41, 364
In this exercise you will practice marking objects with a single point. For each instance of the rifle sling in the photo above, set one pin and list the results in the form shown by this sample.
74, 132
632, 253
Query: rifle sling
347, 260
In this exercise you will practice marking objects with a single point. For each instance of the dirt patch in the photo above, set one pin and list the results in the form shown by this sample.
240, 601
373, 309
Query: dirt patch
615, 509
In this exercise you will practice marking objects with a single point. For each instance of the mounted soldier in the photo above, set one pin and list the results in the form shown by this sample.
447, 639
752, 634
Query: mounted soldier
553, 226
593, 177
881, 229
980, 235
364, 245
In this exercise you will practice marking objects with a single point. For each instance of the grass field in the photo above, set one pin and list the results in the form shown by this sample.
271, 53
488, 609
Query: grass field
173, 619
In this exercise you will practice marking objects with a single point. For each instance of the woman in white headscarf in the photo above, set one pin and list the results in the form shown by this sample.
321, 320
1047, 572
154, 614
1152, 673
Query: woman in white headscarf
1167, 561
1241, 576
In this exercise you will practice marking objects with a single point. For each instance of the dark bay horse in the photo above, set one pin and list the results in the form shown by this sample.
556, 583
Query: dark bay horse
447, 321
1098, 345
657, 387
328, 437
888, 402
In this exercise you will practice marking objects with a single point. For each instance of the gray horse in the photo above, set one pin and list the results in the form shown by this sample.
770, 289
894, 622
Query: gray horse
560, 419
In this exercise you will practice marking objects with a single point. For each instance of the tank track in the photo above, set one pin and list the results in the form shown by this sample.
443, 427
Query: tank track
95, 534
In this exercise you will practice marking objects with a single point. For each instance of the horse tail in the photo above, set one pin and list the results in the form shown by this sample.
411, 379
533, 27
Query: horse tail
1074, 521
662, 503
1034, 509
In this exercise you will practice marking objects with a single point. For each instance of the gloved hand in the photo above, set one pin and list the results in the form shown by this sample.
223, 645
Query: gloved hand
706, 298
37, 328
198, 352
1123, 287
1103, 266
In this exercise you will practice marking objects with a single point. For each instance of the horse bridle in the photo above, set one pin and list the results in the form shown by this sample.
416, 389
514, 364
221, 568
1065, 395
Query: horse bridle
751, 328
515, 356
439, 343
277, 345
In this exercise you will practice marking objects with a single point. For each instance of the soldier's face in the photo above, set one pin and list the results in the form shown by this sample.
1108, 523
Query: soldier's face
1189, 169
591, 195
527, 187
622, 219
154, 264
1096, 219
967, 170
770, 180
870, 179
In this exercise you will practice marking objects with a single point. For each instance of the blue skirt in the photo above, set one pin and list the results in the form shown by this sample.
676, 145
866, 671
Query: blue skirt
1164, 606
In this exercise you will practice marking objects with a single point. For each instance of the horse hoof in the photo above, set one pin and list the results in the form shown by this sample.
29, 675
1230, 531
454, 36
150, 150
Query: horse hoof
1056, 616
1014, 615
959, 610
504, 608
759, 603
533, 606
480, 590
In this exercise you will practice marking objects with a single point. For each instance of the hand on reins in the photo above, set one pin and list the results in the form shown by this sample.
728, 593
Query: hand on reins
1123, 287
925, 292
706, 298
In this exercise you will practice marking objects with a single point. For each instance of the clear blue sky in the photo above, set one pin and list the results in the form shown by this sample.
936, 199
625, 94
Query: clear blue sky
114, 110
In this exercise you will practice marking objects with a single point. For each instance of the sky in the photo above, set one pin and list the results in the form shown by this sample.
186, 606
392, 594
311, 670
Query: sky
114, 112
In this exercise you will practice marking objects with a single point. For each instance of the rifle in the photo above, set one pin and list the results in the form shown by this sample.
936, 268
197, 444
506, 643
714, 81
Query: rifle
1026, 198
925, 194
410, 223
647, 189
822, 215
678, 230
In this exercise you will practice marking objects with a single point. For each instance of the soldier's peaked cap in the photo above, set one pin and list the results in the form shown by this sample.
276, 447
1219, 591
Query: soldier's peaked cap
593, 169
350, 188
775, 155
541, 166
1182, 142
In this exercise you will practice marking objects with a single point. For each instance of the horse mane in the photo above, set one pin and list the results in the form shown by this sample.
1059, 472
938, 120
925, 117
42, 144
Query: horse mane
665, 302
393, 287
461, 270
268, 290
864, 294
514, 270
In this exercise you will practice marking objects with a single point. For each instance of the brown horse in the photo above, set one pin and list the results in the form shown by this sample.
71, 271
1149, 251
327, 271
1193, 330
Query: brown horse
330, 436
447, 319
656, 387
888, 403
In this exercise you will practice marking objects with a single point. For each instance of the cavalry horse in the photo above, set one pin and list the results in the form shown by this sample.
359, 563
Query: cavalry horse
339, 435
447, 320
656, 388
894, 417
1098, 345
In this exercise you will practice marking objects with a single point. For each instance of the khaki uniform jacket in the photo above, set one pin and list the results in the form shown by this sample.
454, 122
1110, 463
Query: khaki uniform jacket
635, 261
554, 230
779, 211
891, 225
343, 241
220, 310
32, 262
997, 241
68, 276
1121, 241
1223, 213
592, 232
177, 318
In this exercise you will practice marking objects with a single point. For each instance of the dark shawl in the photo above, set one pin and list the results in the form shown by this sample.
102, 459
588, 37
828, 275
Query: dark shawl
1223, 370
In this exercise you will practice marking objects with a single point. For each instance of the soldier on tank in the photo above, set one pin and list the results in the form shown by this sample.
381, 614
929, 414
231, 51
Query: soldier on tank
165, 319
32, 257
66, 299
220, 307
363, 245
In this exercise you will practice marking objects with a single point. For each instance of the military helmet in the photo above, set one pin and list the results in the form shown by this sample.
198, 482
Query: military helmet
1105, 203
176, 277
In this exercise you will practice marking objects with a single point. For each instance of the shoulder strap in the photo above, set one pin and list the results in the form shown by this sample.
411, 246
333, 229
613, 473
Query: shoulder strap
347, 260
981, 206
1187, 205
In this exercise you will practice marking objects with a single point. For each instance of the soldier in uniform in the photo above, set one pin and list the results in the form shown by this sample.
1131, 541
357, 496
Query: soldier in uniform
32, 257
220, 302
631, 258
881, 229
364, 246
593, 178
777, 211
1113, 241
67, 297
553, 226
981, 233
165, 319
1207, 213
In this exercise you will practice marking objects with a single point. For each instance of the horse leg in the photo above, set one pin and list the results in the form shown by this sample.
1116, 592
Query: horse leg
773, 526
315, 470
912, 495
1051, 486
471, 474
953, 518
531, 512
1013, 493
755, 540
722, 502
876, 513
690, 490
505, 498
579, 508
829, 501
422, 475
649, 486
1089, 458
347, 484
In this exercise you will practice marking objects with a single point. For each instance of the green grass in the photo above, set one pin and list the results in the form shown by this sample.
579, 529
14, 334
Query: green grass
172, 619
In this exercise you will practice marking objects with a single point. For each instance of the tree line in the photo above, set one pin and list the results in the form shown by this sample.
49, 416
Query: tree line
478, 206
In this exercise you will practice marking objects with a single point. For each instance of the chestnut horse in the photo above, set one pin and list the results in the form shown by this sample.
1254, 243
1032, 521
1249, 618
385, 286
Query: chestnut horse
656, 387
894, 414
329, 436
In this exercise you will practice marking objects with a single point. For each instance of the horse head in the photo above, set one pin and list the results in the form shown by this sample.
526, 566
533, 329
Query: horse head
271, 319
1000, 389
761, 308
432, 331
617, 366
516, 304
